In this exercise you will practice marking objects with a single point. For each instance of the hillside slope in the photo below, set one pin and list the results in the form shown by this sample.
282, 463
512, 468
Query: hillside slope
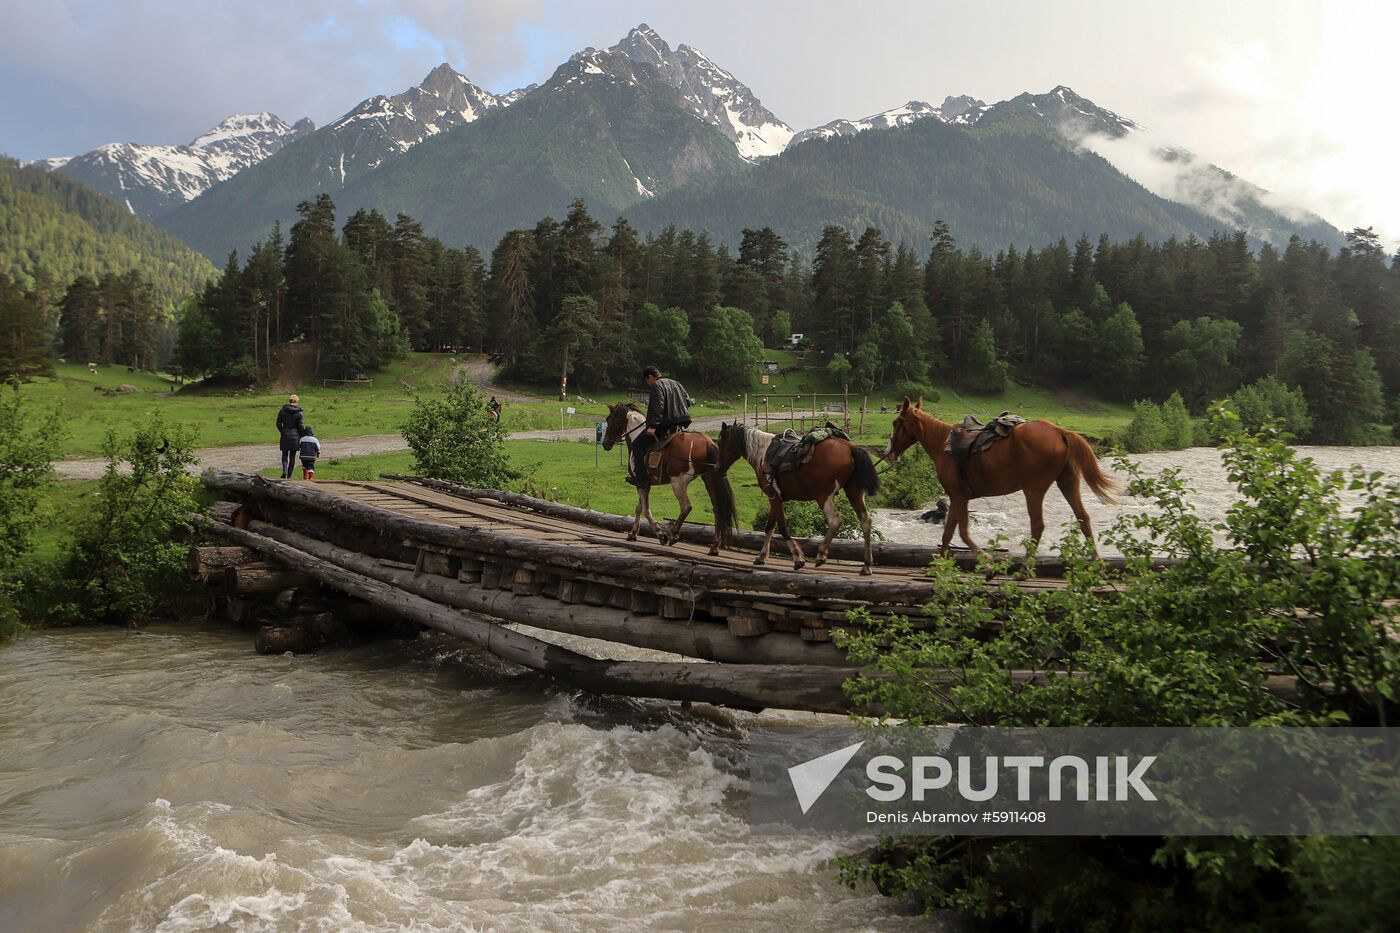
50, 222
1013, 182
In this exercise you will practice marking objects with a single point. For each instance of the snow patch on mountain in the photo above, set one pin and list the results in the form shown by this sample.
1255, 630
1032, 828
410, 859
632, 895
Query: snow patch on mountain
147, 178
713, 94
444, 99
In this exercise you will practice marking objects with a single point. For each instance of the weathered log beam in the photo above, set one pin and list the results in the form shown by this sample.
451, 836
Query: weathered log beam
805, 687
706, 640
204, 563
671, 571
261, 579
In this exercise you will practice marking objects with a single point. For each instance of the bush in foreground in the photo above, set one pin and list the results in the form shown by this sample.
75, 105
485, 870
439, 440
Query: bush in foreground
27, 443
452, 438
1188, 646
127, 557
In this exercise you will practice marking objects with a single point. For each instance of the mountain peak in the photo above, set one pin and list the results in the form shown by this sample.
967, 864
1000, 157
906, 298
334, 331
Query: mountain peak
1072, 114
713, 94
885, 119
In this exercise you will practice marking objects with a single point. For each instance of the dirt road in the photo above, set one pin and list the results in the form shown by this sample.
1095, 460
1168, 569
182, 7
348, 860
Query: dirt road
250, 458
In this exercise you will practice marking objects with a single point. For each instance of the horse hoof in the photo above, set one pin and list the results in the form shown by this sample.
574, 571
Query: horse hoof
714, 552
758, 561
798, 564
819, 561
631, 537
866, 571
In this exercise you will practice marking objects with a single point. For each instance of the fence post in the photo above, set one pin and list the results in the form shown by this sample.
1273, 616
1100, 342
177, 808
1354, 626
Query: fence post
864, 404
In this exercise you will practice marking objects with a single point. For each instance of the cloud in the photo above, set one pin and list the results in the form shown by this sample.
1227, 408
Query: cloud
197, 62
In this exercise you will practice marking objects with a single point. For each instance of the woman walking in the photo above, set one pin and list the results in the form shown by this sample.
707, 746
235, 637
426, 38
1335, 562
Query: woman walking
289, 422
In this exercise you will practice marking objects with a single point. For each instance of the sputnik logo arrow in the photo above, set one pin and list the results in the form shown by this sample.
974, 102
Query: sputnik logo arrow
811, 778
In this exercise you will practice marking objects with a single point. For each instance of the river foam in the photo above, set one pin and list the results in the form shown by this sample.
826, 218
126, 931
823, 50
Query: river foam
173, 780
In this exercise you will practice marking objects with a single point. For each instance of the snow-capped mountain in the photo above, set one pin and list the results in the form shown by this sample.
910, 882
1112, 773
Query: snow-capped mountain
445, 99
959, 111
713, 94
149, 178
1066, 111
899, 116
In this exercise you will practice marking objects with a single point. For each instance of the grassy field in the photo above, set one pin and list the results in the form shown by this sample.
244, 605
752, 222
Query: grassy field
246, 416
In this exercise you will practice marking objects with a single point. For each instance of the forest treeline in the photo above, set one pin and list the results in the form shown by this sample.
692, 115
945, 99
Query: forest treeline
1127, 320
57, 229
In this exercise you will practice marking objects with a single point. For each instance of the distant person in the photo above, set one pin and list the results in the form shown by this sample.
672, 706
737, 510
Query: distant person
310, 450
289, 421
668, 411
494, 407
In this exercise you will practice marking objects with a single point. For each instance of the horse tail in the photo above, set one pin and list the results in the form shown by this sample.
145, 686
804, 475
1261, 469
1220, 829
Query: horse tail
721, 495
722, 498
1086, 465
864, 478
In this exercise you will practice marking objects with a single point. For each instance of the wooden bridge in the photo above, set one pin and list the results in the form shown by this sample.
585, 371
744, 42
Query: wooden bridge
472, 562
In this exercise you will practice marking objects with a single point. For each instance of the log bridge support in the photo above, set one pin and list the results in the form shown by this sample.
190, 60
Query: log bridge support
314, 563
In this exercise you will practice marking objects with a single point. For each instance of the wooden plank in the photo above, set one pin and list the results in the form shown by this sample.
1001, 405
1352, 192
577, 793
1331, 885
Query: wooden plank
693, 639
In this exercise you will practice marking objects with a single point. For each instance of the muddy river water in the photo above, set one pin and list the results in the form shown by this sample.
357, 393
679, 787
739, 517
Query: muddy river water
170, 779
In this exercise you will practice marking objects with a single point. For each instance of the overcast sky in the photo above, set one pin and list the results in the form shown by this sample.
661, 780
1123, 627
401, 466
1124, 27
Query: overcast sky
1298, 97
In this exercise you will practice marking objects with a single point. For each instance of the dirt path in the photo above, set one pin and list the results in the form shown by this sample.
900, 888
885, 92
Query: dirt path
481, 371
250, 458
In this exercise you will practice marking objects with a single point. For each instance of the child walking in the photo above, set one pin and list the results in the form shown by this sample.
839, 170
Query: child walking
310, 449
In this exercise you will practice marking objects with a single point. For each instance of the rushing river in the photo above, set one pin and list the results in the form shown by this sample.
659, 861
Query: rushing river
171, 779
1005, 516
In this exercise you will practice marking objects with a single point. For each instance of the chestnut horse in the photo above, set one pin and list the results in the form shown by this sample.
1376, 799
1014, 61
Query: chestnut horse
1034, 455
688, 455
836, 464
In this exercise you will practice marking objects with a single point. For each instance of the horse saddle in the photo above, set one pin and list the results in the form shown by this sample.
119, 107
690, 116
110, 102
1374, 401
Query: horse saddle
788, 452
972, 436
654, 455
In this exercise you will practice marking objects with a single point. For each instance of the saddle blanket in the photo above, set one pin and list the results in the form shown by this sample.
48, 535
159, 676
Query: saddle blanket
972, 436
787, 451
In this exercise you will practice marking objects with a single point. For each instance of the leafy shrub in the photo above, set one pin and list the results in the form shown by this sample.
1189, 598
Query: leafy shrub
807, 520
912, 483
26, 445
1147, 431
914, 390
1178, 429
453, 439
1268, 400
1189, 645
127, 558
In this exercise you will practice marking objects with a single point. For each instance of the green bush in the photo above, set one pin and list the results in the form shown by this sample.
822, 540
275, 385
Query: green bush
453, 439
912, 483
914, 390
127, 557
1147, 431
807, 520
1175, 647
1178, 429
1270, 400
27, 443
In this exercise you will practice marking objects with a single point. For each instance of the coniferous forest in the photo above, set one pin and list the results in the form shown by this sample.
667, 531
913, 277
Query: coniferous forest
1121, 320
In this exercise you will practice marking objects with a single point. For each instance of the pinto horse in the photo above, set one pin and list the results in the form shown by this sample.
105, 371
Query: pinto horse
836, 464
1034, 455
688, 455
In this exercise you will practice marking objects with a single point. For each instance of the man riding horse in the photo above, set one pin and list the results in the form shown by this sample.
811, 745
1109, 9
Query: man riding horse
668, 411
